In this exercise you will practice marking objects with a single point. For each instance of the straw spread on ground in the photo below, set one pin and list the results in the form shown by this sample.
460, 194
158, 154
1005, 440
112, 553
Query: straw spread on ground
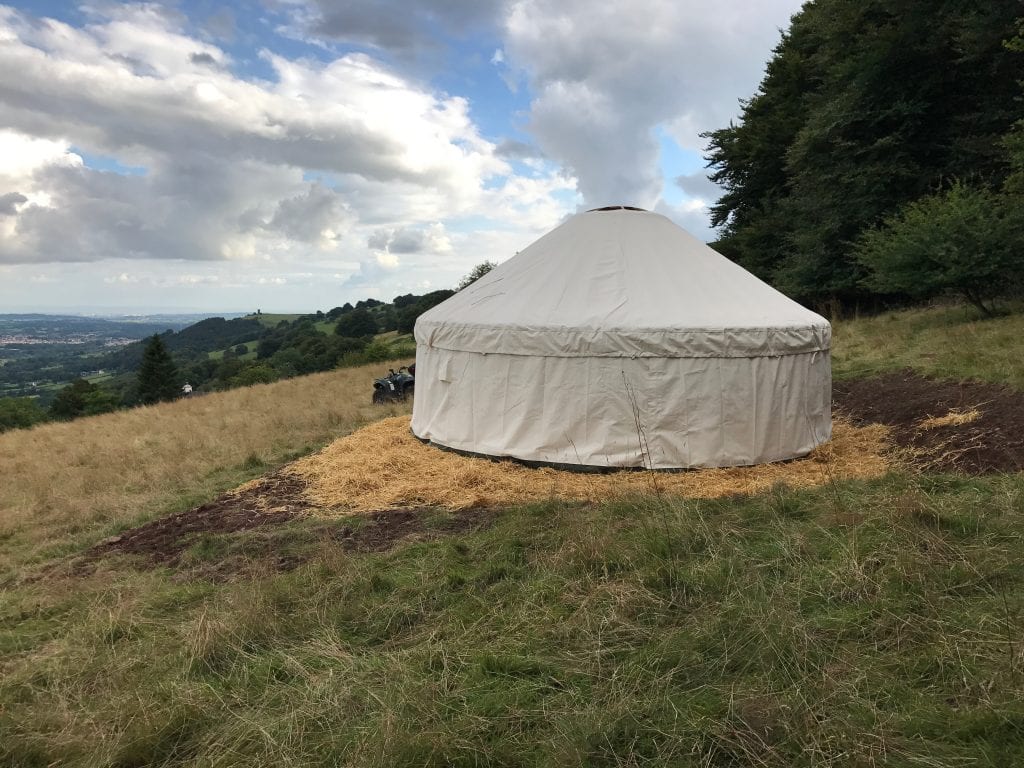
954, 418
383, 465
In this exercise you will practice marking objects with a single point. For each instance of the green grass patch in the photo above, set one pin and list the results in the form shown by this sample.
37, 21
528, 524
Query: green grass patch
270, 319
326, 326
869, 622
948, 342
218, 354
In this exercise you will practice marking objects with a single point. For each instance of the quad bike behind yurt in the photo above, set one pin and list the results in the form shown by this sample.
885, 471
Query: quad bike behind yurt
396, 386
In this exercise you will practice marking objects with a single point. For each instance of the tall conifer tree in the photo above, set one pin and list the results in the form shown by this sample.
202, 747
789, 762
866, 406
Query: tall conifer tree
158, 375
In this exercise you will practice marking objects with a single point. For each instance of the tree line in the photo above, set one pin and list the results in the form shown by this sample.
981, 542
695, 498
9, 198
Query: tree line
881, 159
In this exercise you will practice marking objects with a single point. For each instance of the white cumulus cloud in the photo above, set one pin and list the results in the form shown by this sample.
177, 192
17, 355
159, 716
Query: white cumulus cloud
605, 76
225, 161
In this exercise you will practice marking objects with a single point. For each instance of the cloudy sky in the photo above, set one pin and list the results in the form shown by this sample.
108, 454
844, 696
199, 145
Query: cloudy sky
292, 155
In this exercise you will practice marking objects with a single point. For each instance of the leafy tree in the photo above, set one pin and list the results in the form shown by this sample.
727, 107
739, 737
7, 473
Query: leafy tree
408, 316
256, 373
377, 351
198, 372
82, 398
1015, 150
158, 375
358, 322
287, 362
101, 400
1014, 141
69, 402
20, 413
407, 300
387, 318
964, 241
228, 368
337, 312
475, 274
268, 346
865, 107
342, 345
407, 319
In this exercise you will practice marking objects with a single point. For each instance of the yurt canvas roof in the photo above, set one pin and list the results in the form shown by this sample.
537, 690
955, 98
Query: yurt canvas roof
622, 283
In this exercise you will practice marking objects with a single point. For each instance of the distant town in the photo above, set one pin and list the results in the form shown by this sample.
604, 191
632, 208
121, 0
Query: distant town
17, 339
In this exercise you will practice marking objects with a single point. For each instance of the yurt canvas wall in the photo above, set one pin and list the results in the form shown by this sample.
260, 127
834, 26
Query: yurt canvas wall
619, 340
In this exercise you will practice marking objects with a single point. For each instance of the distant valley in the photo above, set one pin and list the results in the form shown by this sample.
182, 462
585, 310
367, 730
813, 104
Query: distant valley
41, 352
66, 366
17, 330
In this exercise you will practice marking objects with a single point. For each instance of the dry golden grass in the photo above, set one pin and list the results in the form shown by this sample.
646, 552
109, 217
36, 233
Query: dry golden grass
954, 418
383, 465
92, 474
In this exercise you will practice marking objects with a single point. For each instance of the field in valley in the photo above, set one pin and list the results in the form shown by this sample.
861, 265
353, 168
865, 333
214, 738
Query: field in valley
147, 619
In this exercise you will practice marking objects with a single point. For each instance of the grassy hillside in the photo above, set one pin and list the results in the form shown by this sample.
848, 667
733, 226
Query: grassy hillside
270, 320
67, 484
854, 624
953, 342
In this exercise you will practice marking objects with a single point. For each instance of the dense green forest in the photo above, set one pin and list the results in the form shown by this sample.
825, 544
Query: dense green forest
881, 159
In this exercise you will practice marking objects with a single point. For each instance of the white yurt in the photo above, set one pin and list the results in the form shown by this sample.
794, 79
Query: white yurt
620, 340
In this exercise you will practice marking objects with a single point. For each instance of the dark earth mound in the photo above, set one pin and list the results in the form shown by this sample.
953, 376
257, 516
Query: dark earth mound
264, 505
992, 442
387, 527
272, 500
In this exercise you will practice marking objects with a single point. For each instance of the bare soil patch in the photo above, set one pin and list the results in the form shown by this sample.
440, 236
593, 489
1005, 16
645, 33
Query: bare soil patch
950, 426
268, 501
387, 527
263, 505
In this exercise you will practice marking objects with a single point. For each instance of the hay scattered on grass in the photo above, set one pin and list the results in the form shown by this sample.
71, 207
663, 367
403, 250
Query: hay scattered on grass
383, 465
954, 418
